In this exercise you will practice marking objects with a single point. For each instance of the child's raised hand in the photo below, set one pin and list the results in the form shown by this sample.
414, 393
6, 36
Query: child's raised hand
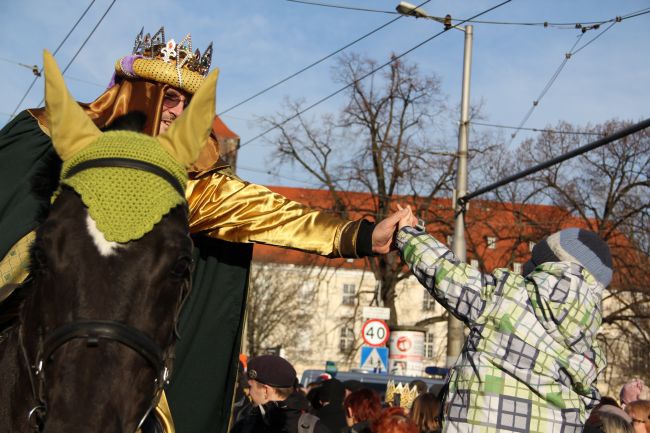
407, 219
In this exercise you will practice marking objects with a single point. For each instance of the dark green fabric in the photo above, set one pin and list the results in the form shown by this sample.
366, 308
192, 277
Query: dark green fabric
22, 146
202, 384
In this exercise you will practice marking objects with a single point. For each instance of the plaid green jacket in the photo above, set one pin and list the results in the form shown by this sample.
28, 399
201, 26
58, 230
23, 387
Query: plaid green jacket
530, 361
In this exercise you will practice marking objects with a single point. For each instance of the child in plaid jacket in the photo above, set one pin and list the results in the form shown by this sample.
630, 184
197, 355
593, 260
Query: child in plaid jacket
531, 360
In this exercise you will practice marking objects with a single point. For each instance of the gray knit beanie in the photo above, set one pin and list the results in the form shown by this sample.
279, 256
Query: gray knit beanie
578, 246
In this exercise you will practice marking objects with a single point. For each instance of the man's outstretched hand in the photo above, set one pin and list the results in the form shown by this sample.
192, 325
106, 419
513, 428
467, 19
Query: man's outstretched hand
382, 235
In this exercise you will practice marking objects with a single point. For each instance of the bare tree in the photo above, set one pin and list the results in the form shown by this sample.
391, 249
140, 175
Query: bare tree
606, 190
382, 143
277, 304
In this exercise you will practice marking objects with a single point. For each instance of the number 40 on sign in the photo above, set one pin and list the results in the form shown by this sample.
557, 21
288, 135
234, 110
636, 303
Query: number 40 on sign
375, 332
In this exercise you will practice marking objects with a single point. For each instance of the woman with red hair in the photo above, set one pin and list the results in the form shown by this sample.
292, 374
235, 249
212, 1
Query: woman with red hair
394, 420
362, 407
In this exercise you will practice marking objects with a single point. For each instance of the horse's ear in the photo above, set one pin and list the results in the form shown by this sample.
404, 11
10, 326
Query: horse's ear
187, 135
70, 127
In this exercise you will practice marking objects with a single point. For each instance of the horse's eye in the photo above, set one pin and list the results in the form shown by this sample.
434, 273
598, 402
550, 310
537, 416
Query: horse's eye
181, 267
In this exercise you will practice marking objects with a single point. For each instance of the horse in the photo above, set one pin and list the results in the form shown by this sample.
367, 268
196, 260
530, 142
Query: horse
90, 346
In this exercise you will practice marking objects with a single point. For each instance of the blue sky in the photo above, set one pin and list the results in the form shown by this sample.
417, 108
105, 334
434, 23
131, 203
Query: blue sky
259, 42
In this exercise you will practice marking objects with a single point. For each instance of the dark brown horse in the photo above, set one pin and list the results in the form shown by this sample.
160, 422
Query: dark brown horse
91, 345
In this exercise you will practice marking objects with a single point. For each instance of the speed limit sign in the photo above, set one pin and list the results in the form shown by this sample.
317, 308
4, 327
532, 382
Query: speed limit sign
375, 332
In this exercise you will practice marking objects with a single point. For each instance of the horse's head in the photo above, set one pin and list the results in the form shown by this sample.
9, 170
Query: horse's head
110, 264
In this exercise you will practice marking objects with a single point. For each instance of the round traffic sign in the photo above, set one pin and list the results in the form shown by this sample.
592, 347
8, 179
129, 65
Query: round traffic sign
375, 332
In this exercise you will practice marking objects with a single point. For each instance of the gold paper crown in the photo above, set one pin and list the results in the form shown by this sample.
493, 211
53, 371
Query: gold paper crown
407, 395
166, 61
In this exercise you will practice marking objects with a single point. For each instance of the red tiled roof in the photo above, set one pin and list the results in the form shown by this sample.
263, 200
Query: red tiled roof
221, 130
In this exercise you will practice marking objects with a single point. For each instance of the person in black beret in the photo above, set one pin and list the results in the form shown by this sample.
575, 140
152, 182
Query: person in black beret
279, 407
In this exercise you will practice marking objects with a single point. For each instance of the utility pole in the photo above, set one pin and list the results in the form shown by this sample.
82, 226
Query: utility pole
455, 335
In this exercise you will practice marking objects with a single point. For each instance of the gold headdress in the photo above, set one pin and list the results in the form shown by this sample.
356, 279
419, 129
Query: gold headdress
402, 394
167, 62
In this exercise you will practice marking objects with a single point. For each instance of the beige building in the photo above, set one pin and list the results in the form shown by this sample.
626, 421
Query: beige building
329, 326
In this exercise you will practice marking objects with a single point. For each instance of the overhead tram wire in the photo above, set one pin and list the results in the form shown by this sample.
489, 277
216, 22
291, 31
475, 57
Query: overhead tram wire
557, 72
331, 95
546, 88
564, 26
311, 65
268, 172
84, 42
554, 131
55, 52
573, 26
35, 70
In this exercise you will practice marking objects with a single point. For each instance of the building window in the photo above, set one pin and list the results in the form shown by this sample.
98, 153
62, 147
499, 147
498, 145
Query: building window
349, 294
346, 343
428, 302
516, 267
304, 340
307, 290
428, 345
474, 263
531, 245
491, 242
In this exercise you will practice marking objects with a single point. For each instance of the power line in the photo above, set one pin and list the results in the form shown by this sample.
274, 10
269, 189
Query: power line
36, 71
322, 59
328, 5
331, 95
268, 172
565, 25
554, 131
84, 42
585, 25
557, 72
55, 52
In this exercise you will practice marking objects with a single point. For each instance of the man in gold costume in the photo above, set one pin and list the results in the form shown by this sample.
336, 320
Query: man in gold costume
227, 214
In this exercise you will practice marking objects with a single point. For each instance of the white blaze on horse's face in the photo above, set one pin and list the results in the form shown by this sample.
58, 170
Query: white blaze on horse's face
106, 248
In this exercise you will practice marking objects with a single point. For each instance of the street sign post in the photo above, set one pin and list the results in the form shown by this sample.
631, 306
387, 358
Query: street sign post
374, 359
375, 332
376, 313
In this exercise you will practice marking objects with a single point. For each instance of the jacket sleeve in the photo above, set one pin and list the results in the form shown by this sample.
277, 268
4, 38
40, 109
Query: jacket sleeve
461, 289
225, 207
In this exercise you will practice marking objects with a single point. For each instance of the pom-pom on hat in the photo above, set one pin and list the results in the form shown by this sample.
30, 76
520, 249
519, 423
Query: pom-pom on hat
578, 246
272, 370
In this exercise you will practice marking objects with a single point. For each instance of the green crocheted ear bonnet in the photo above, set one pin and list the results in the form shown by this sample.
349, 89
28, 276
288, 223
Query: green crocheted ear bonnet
124, 202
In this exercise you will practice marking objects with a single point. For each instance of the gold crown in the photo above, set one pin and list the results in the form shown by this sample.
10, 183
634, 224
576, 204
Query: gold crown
154, 58
407, 395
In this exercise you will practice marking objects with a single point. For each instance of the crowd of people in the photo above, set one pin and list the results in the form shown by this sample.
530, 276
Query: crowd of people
271, 400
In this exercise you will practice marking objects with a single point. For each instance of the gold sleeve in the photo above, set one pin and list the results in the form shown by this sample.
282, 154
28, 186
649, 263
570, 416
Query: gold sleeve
225, 207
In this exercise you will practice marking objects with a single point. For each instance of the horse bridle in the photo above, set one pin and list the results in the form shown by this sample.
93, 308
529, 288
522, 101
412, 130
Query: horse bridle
95, 330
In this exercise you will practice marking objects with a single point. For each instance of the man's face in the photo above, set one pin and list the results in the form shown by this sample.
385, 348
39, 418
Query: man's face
174, 102
258, 392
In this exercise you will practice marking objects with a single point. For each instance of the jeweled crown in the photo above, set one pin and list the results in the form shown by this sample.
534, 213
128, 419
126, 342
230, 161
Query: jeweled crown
407, 394
179, 54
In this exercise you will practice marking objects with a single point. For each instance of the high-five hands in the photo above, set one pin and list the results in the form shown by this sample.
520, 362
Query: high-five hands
407, 218
382, 235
